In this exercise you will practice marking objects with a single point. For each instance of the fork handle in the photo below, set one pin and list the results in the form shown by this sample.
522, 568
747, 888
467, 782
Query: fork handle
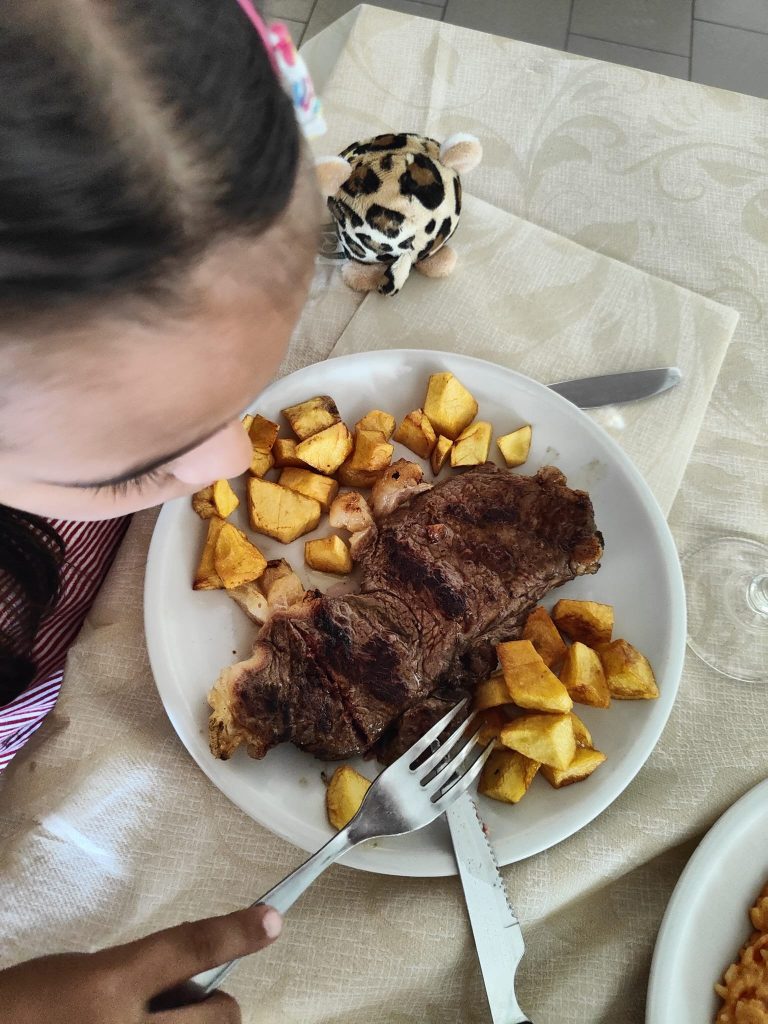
282, 897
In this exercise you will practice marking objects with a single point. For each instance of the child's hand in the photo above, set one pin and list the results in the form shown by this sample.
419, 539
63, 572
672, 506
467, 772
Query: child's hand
115, 986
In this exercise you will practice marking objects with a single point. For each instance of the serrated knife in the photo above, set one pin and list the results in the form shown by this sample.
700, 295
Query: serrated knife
496, 929
618, 388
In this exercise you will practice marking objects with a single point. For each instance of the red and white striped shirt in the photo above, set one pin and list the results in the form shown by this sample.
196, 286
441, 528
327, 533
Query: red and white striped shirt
89, 550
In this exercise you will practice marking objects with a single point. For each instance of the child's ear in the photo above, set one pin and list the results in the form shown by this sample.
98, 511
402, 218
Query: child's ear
332, 172
461, 152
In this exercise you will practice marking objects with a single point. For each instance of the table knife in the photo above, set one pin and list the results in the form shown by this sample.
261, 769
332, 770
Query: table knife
496, 929
617, 388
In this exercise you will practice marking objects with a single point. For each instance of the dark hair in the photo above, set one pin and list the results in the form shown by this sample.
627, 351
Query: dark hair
121, 164
133, 134
31, 553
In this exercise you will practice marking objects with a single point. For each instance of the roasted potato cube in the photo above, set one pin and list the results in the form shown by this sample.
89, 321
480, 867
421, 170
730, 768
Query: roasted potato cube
417, 433
364, 479
252, 601
313, 485
587, 621
472, 445
378, 420
225, 501
279, 512
506, 776
328, 554
261, 462
546, 738
326, 450
440, 453
310, 417
284, 454
280, 585
491, 693
247, 420
628, 673
448, 405
235, 559
581, 733
206, 577
350, 511
372, 451
529, 682
346, 791
490, 722
542, 632
202, 503
583, 677
584, 762
515, 446
263, 433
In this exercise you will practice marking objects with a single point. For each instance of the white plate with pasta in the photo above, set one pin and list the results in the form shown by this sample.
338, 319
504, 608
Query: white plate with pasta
706, 922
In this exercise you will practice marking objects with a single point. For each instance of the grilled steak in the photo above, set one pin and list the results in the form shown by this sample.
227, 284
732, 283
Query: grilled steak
452, 572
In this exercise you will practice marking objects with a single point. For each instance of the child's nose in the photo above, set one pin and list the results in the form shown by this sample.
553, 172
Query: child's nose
225, 455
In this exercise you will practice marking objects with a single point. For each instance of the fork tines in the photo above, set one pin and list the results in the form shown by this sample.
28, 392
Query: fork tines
439, 773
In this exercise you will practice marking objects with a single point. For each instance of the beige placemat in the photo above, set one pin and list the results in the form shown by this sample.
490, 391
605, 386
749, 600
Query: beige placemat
554, 310
666, 175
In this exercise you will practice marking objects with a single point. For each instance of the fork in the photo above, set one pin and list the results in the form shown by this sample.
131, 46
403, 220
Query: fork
406, 796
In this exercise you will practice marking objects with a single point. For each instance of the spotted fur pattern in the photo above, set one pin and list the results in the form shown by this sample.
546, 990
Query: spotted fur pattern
399, 205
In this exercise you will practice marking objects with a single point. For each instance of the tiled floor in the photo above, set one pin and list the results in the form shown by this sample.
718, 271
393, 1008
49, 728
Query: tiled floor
719, 42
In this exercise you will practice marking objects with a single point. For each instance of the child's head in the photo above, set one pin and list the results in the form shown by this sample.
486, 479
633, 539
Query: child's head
157, 230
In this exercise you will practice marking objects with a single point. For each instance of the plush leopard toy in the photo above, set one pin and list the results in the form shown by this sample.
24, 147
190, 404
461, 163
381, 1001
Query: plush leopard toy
396, 201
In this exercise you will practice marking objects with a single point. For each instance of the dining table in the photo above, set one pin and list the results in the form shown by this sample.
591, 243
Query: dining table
618, 219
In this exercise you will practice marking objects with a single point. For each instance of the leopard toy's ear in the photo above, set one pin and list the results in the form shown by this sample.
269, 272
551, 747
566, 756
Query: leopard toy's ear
461, 152
332, 172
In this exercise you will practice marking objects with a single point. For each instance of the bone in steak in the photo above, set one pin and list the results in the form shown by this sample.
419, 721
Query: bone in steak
452, 572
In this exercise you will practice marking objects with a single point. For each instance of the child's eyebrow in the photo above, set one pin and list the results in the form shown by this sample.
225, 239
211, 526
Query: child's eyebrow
140, 470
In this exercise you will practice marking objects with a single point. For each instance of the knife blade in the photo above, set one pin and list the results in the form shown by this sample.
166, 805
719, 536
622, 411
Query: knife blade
496, 929
617, 388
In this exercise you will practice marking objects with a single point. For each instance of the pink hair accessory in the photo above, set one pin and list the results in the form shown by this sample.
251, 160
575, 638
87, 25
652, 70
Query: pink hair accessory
291, 69
258, 23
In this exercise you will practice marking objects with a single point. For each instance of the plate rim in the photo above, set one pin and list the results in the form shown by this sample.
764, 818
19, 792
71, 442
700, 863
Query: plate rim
444, 867
655, 1007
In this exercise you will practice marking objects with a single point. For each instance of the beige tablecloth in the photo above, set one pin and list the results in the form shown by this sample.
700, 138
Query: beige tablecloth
555, 310
108, 829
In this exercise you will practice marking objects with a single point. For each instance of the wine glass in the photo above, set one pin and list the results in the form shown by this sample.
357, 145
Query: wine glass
727, 586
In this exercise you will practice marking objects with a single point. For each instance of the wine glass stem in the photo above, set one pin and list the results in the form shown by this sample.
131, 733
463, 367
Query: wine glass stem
757, 594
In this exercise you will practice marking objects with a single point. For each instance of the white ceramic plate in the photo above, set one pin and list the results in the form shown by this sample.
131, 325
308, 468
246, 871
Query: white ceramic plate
191, 636
706, 921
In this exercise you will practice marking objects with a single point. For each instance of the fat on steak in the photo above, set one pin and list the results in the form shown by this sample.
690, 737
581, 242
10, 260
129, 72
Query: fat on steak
452, 572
